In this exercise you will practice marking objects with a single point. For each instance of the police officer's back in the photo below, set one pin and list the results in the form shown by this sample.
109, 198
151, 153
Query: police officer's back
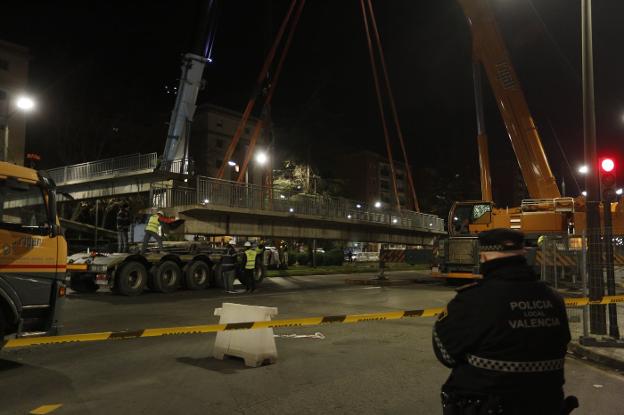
505, 337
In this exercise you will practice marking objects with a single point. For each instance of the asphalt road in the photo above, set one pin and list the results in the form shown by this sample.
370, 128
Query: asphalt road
367, 368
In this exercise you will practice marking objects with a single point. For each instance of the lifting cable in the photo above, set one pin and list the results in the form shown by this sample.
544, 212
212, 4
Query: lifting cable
270, 92
380, 104
395, 115
256, 92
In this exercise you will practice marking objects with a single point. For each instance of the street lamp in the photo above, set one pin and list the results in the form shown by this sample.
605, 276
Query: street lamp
378, 204
261, 158
583, 169
23, 104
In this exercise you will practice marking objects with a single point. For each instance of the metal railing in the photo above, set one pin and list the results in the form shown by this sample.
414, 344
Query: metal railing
222, 193
103, 168
562, 263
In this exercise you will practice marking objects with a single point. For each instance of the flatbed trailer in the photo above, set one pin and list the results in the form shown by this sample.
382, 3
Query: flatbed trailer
193, 266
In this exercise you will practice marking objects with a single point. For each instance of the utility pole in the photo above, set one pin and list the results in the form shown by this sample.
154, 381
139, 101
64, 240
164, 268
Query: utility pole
592, 186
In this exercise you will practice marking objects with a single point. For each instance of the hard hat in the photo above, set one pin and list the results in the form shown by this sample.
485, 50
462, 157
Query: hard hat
247, 243
160, 212
232, 242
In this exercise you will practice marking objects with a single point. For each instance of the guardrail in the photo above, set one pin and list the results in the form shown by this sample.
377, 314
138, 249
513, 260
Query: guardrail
101, 168
215, 192
117, 166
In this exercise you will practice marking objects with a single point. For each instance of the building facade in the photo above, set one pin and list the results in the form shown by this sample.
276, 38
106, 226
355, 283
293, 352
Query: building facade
211, 134
368, 178
13, 82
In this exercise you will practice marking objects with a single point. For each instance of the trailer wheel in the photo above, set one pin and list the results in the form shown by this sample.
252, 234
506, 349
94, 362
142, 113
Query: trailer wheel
131, 279
2, 328
82, 283
196, 275
167, 277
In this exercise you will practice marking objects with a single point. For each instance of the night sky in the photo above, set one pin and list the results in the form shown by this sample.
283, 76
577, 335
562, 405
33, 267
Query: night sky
99, 70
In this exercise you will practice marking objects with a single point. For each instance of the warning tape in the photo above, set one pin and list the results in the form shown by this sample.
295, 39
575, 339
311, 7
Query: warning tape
583, 301
293, 322
213, 328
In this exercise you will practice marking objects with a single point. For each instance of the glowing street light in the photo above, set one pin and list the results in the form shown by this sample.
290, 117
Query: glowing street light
25, 103
619, 191
584, 192
378, 204
261, 157
231, 163
583, 169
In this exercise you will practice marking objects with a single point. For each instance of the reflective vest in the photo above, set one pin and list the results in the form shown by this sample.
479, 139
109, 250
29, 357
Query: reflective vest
251, 258
153, 224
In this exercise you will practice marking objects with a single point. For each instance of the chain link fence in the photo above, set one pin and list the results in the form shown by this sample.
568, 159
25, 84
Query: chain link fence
563, 262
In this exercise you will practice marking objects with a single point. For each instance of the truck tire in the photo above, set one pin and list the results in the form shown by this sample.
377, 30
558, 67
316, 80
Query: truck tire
196, 275
82, 283
2, 328
130, 279
167, 277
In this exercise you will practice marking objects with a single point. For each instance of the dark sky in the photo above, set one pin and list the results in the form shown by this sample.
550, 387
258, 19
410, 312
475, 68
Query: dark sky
99, 70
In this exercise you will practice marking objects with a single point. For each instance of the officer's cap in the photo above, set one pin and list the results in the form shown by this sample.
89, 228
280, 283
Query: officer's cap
501, 239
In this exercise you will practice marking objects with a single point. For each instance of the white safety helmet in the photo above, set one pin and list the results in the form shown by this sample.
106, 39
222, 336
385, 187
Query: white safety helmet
161, 213
247, 243
232, 242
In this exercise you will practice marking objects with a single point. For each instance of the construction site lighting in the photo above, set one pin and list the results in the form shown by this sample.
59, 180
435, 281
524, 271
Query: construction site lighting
619, 191
25, 103
584, 192
395, 220
231, 163
358, 206
291, 210
583, 169
349, 216
378, 204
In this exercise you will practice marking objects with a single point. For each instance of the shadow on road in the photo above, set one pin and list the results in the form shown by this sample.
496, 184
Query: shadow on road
227, 366
6, 365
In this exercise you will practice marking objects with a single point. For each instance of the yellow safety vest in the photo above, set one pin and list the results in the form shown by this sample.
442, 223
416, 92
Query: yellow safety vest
251, 258
153, 224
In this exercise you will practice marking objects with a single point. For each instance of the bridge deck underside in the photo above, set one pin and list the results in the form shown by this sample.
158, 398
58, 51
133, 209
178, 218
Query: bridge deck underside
213, 221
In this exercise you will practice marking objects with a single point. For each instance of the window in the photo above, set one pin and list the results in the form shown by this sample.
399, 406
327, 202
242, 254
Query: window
385, 172
218, 164
22, 207
384, 185
219, 143
4, 65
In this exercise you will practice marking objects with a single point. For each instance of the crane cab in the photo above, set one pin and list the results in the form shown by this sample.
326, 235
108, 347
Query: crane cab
469, 218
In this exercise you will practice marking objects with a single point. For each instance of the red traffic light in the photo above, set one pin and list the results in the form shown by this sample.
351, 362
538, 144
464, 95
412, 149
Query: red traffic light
607, 165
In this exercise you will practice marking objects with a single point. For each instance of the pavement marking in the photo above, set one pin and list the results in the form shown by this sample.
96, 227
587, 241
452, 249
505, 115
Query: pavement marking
45, 409
293, 322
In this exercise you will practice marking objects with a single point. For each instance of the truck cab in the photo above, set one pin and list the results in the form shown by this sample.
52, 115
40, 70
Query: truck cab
33, 254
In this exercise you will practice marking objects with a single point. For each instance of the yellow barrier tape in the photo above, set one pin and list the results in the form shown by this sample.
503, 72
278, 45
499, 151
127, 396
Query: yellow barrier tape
293, 322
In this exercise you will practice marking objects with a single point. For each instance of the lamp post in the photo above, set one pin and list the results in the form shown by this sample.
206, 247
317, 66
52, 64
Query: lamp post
22, 104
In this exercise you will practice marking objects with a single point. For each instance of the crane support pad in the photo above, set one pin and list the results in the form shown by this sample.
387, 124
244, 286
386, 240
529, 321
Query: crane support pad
294, 322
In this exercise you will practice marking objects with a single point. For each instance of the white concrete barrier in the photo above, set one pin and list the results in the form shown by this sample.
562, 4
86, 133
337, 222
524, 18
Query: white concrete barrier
254, 346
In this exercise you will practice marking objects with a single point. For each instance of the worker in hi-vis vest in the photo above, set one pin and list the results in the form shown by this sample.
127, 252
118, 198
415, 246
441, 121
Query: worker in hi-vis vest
152, 228
249, 267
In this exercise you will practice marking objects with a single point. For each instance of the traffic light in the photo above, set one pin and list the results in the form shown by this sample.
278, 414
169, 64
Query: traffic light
607, 179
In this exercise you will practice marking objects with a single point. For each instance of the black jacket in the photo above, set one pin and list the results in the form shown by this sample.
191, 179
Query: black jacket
123, 220
499, 334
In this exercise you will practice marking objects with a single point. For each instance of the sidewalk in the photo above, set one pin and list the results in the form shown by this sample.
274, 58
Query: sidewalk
612, 357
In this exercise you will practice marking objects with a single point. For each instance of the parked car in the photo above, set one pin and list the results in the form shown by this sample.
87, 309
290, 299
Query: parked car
364, 257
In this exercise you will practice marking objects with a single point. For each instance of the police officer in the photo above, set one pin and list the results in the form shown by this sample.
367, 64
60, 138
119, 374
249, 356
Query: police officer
505, 337
228, 266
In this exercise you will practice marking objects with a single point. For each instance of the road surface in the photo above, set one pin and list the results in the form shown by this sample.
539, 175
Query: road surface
367, 368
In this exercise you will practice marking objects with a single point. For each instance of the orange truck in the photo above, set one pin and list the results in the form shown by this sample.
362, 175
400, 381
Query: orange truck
33, 254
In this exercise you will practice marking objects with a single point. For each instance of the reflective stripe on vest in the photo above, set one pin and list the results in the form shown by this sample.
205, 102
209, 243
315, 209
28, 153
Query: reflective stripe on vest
153, 224
251, 258
516, 367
